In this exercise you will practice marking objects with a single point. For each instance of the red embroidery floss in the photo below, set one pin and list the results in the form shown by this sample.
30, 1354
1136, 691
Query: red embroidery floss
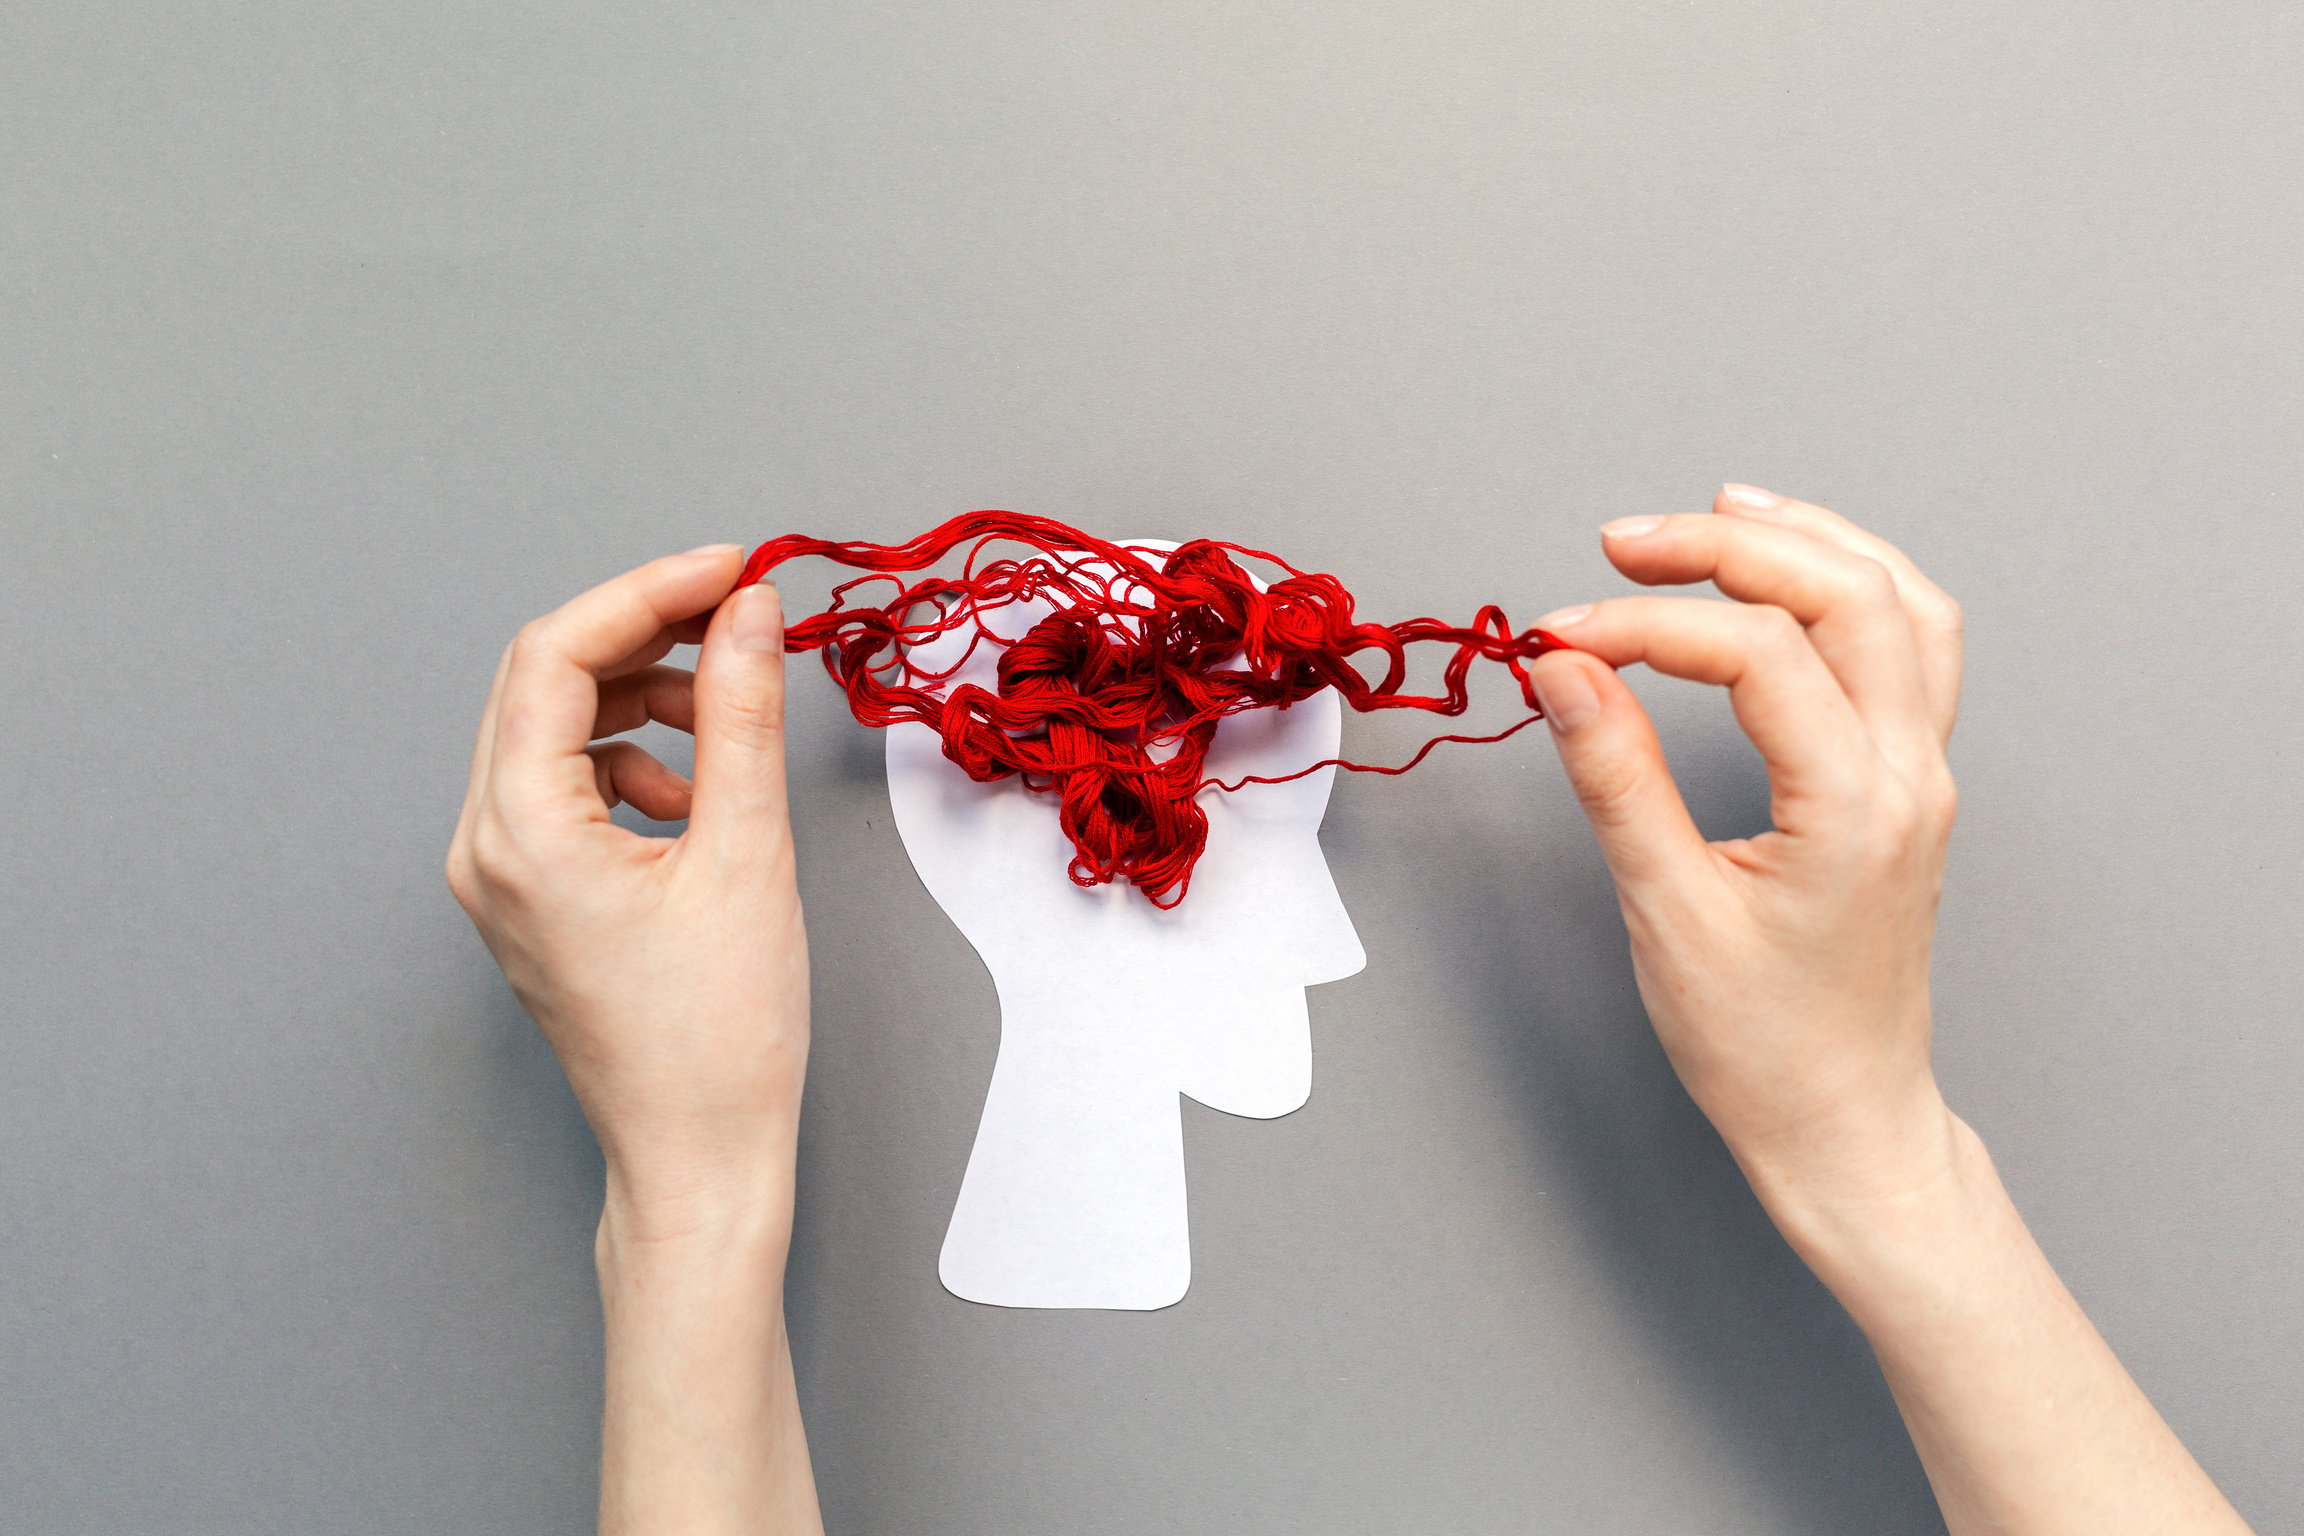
1109, 703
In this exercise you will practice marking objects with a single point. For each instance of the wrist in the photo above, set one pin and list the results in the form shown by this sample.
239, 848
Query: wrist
701, 1428
1870, 1151
738, 1208
1896, 1219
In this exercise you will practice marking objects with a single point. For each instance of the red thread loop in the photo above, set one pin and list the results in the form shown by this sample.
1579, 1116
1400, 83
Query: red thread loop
1110, 702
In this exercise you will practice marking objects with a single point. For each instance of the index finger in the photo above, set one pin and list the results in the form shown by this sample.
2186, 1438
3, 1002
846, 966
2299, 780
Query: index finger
550, 693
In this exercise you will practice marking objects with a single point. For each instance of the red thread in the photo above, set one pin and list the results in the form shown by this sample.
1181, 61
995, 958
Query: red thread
1138, 656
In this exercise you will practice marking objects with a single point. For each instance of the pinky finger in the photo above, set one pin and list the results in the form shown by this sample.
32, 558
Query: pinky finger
628, 776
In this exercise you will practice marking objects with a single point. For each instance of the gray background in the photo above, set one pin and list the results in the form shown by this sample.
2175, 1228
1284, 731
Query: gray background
338, 338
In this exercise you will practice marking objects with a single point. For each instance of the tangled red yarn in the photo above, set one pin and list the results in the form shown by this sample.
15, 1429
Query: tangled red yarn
1111, 700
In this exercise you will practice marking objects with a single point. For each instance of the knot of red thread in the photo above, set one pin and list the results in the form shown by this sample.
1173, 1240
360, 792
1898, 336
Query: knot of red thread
1110, 702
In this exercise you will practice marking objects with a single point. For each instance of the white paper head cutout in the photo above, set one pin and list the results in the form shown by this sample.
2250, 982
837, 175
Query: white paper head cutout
1110, 1007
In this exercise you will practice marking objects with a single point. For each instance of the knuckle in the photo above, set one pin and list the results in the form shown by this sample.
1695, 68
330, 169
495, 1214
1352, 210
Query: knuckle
461, 881
754, 715
1610, 793
1773, 627
1891, 827
1898, 814
494, 855
611, 768
1946, 614
1871, 581
1941, 795
529, 643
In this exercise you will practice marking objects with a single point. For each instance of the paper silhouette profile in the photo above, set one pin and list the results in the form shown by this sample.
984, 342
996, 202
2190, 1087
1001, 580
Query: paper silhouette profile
1110, 1007
1108, 762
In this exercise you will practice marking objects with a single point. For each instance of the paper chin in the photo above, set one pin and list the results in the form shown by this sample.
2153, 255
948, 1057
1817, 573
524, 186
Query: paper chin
1112, 1009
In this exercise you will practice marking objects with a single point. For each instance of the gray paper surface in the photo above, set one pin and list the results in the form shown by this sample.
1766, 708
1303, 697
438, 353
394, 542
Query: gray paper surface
338, 339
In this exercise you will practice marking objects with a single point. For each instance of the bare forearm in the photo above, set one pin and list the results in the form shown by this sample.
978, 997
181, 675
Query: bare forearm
702, 1433
2025, 1420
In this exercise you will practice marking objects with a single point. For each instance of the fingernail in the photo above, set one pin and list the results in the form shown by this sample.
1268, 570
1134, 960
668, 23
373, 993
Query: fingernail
712, 549
1630, 527
1750, 498
1567, 696
1561, 618
758, 622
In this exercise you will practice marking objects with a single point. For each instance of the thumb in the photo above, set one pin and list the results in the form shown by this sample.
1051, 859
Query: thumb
739, 806
1614, 761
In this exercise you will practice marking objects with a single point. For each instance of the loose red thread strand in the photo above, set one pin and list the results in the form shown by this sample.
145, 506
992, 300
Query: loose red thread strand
1111, 701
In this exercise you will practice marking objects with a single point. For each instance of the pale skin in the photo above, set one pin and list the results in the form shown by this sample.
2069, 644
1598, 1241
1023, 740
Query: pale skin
1786, 975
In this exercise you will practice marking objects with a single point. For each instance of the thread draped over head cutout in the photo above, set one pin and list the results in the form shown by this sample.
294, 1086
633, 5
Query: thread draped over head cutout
1111, 700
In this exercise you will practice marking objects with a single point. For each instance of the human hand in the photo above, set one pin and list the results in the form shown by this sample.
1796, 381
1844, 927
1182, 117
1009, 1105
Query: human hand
1786, 974
669, 974
671, 977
